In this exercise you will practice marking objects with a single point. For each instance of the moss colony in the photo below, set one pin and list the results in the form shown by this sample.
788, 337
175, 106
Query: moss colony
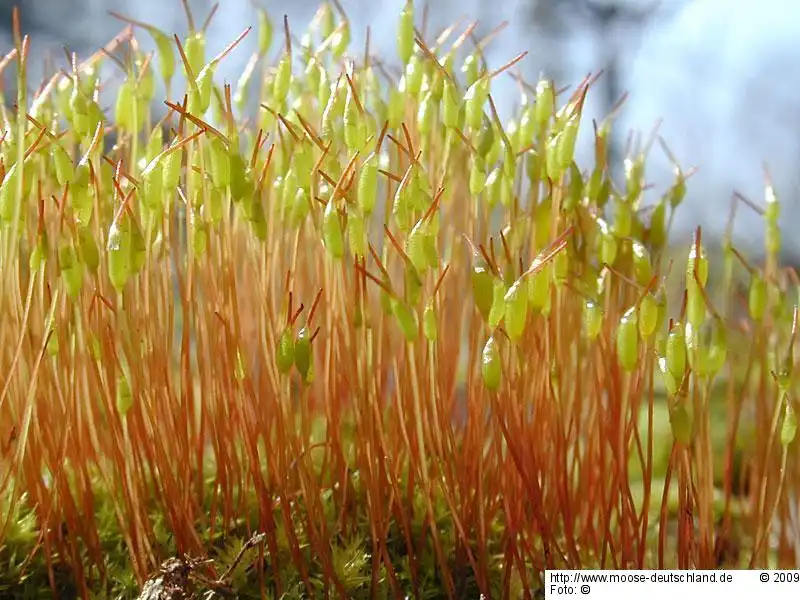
418, 350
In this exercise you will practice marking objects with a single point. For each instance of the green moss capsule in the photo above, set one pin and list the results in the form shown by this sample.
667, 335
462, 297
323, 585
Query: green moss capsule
396, 108
477, 175
8, 194
650, 314
124, 106
283, 79
124, 399
356, 233
402, 209
419, 189
516, 310
145, 88
265, 32
405, 32
220, 163
657, 234
608, 248
242, 185
592, 319
65, 168
415, 248
324, 88
539, 287
693, 348
80, 197
697, 261
170, 171
772, 239
642, 267
534, 167
198, 235
195, 49
681, 424
70, 268
302, 352
448, 62
304, 165
412, 76
714, 349
406, 319
545, 102
119, 253
470, 68
288, 188
327, 20
52, 342
39, 253
551, 160
666, 375
355, 131
257, 219
757, 297
789, 425
313, 74
494, 186
152, 191
94, 347
517, 233
676, 351
603, 193
239, 371
284, 353
430, 325
138, 247
89, 254
425, 114
784, 374
413, 283
628, 341
695, 304
566, 143
450, 104
429, 247
634, 177
341, 39
300, 208
213, 207
166, 54
498, 303
574, 193
527, 125
155, 144
483, 289
772, 207
200, 97
677, 192
474, 101
332, 235
486, 138
561, 267
491, 366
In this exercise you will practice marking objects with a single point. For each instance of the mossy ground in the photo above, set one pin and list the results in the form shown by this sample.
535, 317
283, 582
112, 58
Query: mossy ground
24, 572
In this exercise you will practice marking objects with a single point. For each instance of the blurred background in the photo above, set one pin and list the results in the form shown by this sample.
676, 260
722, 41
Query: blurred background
719, 75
